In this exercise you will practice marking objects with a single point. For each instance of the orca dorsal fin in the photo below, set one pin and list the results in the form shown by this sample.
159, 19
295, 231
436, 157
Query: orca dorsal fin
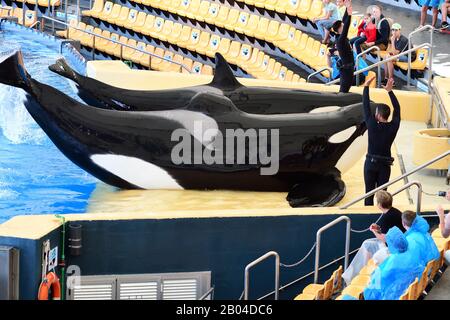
223, 75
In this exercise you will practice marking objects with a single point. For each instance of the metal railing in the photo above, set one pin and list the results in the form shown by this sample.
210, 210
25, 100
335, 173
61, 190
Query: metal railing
209, 293
117, 42
257, 261
419, 193
391, 58
426, 27
387, 184
377, 49
347, 243
315, 73
442, 114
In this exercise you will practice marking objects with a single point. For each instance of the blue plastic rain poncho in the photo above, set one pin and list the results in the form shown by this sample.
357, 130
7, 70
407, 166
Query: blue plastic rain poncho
420, 241
391, 279
335, 70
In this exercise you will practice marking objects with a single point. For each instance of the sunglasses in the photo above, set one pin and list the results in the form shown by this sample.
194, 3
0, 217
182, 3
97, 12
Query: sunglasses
395, 29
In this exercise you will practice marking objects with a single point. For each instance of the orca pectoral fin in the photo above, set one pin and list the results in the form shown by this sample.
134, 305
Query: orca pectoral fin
211, 103
321, 191
223, 75
63, 69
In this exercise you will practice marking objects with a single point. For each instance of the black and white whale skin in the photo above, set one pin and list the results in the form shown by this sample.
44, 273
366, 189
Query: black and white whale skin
260, 100
132, 149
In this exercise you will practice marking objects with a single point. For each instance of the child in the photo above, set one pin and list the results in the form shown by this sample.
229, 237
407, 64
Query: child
367, 31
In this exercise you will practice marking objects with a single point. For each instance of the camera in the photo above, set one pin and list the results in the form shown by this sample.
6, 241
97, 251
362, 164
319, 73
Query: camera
442, 193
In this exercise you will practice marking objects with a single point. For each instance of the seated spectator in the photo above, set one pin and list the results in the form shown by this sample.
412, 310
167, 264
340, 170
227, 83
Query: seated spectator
427, 4
325, 22
367, 31
399, 43
444, 225
391, 217
383, 30
333, 58
419, 240
444, 10
391, 278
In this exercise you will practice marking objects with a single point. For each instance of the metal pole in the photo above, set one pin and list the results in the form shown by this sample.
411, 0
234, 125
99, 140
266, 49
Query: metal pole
255, 262
364, 52
419, 193
409, 48
65, 11
430, 61
78, 10
318, 238
93, 49
317, 72
387, 184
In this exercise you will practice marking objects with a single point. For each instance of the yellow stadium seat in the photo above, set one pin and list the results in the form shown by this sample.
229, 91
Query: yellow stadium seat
442, 243
305, 296
69, 31
45, 3
77, 34
292, 6
193, 8
101, 43
292, 41
203, 10
115, 12
413, 290
267, 72
175, 67
96, 9
123, 17
145, 59
289, 75
404, 296
419, 64
295, 78
245, 54
272, 31
258, 62
131, 19
276, 5
213, 45
194, 40
128, 52
30, 18
354, 291
158, 25
321, 59
222, 16
282, 74
112, 47
371, 262
188, 64
140, 22
154, 3
232, 19
303, 8
353, 30
203, 44
311, 53
213, 12
172, 6
207, 70
242, 22
437, 233
283, 33
166, 31
148, 25
320, 291
252, 25
315, 10
166, 65
259, 3
118, 52
137, 55
367, 270
176, 33
276, 72
156, 62
87, 39
233, 52
224, 46
196, 67
360, 280
185, 36
263, 24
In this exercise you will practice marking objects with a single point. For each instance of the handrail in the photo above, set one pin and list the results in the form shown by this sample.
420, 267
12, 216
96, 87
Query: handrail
35, 24
383, 61
319, 71
442, 111
377, 49
118, 42
426, 27
387, 184
207, 294
347, 243
257, 261
419, 193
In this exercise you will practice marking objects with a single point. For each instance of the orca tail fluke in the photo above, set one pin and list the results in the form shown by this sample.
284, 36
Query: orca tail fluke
63, 69
13, 72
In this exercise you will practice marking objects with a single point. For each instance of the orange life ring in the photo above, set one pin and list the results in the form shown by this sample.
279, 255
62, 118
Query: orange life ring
50, 281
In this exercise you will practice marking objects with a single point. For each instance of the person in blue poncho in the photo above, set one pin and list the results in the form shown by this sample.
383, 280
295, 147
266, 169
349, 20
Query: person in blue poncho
391, 278
333, 61
419, 240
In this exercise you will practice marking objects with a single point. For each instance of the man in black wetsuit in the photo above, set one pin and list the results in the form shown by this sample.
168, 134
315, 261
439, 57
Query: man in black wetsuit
346, 63
377, 168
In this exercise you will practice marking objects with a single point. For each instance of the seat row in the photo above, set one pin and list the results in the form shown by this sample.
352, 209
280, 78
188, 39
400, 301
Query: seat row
30, 16
202, 42
420, 63
115, 49
323, 291
42, 3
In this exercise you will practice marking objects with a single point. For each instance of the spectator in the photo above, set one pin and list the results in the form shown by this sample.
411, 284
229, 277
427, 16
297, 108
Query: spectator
444, 10
419, 240
377, 167
444, 225
399, 43
366, 32
383, 30
341, 8
376, 247
427, 4
325, 22
391, 278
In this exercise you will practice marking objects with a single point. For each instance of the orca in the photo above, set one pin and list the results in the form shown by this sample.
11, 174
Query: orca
259, 100
132, 149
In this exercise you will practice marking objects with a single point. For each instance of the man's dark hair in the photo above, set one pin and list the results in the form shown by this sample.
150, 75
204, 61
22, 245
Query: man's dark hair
408, 217
383, 110
336, 25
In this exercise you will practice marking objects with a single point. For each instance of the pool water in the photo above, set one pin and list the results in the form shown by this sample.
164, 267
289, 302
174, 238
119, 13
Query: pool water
35, 177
